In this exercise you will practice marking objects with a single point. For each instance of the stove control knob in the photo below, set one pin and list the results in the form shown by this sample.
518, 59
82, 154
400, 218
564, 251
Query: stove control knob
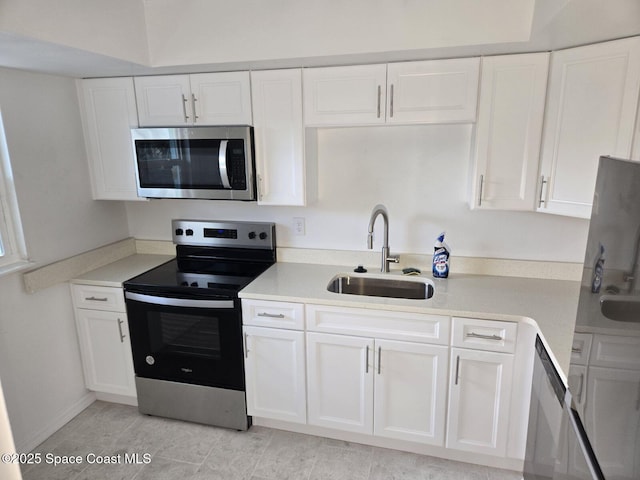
189, 232
252, 235
179, 231
185, 284
150, 360
194, 284
263, 235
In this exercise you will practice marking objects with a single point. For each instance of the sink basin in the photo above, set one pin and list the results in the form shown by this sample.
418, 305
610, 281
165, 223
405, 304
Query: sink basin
623, 308
381, 286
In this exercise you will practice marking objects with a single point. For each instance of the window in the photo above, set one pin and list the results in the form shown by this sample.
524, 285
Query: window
13, 251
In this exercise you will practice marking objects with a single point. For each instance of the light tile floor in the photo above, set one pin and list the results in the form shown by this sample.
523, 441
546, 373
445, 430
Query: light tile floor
187, 451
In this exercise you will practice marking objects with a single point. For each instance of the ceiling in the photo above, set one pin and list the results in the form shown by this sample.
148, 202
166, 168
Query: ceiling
555, 24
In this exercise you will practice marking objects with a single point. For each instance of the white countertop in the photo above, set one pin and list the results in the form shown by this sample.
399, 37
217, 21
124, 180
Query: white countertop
113, 274
550, 304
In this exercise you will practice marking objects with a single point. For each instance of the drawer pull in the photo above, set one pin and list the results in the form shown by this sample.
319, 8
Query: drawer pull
271, 315
576, 350
96, 299
485, 337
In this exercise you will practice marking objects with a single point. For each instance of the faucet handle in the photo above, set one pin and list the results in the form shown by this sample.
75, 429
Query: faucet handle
393, 258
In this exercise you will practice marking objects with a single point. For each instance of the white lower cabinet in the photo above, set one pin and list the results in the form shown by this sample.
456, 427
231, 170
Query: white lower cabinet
374, 386
275, 373
410, 391
383, 373
479, 400
340, 382
104, 340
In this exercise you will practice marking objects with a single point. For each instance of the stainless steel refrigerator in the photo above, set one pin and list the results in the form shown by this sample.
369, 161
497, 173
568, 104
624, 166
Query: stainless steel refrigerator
592, 429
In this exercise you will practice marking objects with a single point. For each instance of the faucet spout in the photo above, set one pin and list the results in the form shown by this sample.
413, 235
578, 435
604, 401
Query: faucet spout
381, 210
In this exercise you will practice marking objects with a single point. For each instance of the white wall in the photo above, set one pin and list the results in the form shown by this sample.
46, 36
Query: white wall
115, 28
184, 32
39, 357
419, 172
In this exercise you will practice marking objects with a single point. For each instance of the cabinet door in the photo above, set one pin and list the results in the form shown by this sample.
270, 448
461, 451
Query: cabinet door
591, 111
509, 130
613, 419
275, 374
340, 382
108, 111
345, 95
164, 100
279, 141
106, 351
436, 91
221, 98
479, 399
410, 391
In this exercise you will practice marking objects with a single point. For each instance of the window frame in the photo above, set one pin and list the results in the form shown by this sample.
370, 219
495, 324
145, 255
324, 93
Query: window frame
13, 249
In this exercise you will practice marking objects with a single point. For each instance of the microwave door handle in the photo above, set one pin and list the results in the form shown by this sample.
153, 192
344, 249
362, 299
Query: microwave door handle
179, 302
222, 164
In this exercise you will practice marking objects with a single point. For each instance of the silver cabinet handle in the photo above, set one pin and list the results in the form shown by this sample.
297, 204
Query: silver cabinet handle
366, 365
184, 108
260, 187
391, 103
579, 394
457, 369
271, 315
195, 112
576, 350
222, 163
542, 184
480, 192
246, 348
486, 337
122, 337
638, 400
96, 299
379, 359
379, 99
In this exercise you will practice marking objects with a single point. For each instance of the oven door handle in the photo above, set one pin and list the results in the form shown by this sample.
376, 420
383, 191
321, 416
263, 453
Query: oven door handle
179, 302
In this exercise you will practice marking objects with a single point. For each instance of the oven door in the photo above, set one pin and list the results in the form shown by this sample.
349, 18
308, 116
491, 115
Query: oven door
187, 340
197, 162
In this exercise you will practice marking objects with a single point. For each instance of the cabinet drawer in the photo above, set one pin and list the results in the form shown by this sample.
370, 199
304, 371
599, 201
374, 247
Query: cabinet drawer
414, 327
273, 314
615, 351
491, 335
98, 298
580, 348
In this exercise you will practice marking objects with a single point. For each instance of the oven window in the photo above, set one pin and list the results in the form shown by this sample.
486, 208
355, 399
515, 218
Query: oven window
201, 346
177, 334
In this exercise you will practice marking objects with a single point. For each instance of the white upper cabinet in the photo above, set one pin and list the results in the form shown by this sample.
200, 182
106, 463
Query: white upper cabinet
345, 95
591, 110
439, 91
508, 131
108, 111
279, 137
199, 99
435, 91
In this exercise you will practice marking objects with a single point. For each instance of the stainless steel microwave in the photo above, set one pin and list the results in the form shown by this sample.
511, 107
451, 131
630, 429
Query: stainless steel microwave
195, 162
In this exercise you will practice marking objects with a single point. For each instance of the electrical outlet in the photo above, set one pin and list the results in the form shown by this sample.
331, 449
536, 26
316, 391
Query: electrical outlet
298, 225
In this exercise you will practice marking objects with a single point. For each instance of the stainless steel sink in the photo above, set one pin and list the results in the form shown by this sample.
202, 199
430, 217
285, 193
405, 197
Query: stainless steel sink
381, 286
623, 308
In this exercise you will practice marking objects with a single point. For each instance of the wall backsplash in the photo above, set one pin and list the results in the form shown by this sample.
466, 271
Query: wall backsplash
419, 172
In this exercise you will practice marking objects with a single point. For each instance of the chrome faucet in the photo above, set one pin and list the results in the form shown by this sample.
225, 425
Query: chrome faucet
386, 256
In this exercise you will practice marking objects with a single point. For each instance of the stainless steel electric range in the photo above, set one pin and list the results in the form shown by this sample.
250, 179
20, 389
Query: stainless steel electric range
185, 322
